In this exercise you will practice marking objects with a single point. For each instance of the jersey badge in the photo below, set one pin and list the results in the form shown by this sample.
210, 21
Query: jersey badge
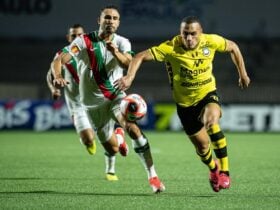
74, 49
206, 51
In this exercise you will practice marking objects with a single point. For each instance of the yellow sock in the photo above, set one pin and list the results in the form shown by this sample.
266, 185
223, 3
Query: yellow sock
219, 144
207, 159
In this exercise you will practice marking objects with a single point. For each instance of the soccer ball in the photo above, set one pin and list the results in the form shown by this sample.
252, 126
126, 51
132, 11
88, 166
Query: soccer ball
133, 107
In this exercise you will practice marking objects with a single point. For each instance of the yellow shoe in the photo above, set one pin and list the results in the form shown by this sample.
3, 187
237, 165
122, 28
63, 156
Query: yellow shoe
112, 177
91, 148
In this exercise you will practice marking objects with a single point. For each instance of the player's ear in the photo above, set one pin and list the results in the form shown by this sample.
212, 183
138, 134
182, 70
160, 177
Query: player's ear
98, 21
68, 38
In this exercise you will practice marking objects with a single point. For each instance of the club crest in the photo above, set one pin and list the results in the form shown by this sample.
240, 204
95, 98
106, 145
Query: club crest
206, 51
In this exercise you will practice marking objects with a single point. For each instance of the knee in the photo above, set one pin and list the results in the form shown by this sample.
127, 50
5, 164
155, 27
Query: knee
210, 120
201, 141
208, 124
211, 115
112, 152
111, 149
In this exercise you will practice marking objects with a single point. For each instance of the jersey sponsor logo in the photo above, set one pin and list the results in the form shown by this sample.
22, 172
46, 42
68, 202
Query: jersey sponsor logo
191, 74
75, 49
196, 84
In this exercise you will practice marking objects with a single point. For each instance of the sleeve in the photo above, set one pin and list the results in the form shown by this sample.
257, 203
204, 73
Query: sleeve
77, 46
124, 46
219, 43
159, 52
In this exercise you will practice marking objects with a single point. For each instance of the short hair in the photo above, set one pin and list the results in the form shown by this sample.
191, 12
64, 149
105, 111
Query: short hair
76, 25
110, 6
191, 19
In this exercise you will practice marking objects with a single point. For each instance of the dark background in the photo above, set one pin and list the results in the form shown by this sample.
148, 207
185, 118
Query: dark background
33, 30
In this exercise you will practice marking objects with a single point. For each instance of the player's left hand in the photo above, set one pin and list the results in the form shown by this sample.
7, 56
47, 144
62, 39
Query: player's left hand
244, 82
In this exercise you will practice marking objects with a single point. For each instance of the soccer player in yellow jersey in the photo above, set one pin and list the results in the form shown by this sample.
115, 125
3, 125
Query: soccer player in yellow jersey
188, 58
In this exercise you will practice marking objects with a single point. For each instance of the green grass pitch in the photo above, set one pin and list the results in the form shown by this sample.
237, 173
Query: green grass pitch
52, 170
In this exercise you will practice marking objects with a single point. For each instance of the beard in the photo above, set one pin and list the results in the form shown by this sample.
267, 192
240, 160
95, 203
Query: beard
110, 29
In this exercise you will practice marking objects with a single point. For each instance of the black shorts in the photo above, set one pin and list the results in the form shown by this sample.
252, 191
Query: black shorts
190, 116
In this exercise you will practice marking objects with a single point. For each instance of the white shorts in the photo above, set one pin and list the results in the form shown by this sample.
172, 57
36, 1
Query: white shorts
80, 118
104, 117
77, 112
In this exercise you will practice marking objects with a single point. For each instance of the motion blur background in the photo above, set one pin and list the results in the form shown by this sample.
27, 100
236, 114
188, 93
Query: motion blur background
33, 30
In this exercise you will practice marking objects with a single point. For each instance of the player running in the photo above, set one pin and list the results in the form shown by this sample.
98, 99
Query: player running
104, 55
188, 58
70, 71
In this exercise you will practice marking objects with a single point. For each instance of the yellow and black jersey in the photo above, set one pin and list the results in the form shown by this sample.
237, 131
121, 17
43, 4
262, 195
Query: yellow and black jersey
190, 71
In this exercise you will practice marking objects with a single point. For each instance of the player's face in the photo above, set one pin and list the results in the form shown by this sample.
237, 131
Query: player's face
109, 21
74, 32
190, 34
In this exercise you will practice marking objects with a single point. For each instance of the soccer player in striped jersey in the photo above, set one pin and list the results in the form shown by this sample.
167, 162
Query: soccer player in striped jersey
104, 55
188, 58
72, 97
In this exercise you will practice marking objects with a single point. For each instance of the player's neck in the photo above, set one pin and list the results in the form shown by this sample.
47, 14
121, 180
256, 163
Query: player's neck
106, 37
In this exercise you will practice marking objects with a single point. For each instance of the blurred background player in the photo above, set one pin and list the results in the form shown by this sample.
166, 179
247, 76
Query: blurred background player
74, 105
105, 55
188, 58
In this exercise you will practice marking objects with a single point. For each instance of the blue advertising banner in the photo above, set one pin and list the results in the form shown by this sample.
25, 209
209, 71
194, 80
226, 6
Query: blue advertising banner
36, 115
46, 115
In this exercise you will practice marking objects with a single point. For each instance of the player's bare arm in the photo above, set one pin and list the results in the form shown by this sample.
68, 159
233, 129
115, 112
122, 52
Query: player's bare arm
237, 59
123, 58
125, 82
56, 67
56, 93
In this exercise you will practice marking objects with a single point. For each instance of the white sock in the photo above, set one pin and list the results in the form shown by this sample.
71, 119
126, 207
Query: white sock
110, 164
120, 139
140, 142
152, 172
145, 157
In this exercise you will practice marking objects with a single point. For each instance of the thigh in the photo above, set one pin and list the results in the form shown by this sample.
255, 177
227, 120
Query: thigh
115, 109
211, 114
102, 121
210, 109
106, 131
81, 120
